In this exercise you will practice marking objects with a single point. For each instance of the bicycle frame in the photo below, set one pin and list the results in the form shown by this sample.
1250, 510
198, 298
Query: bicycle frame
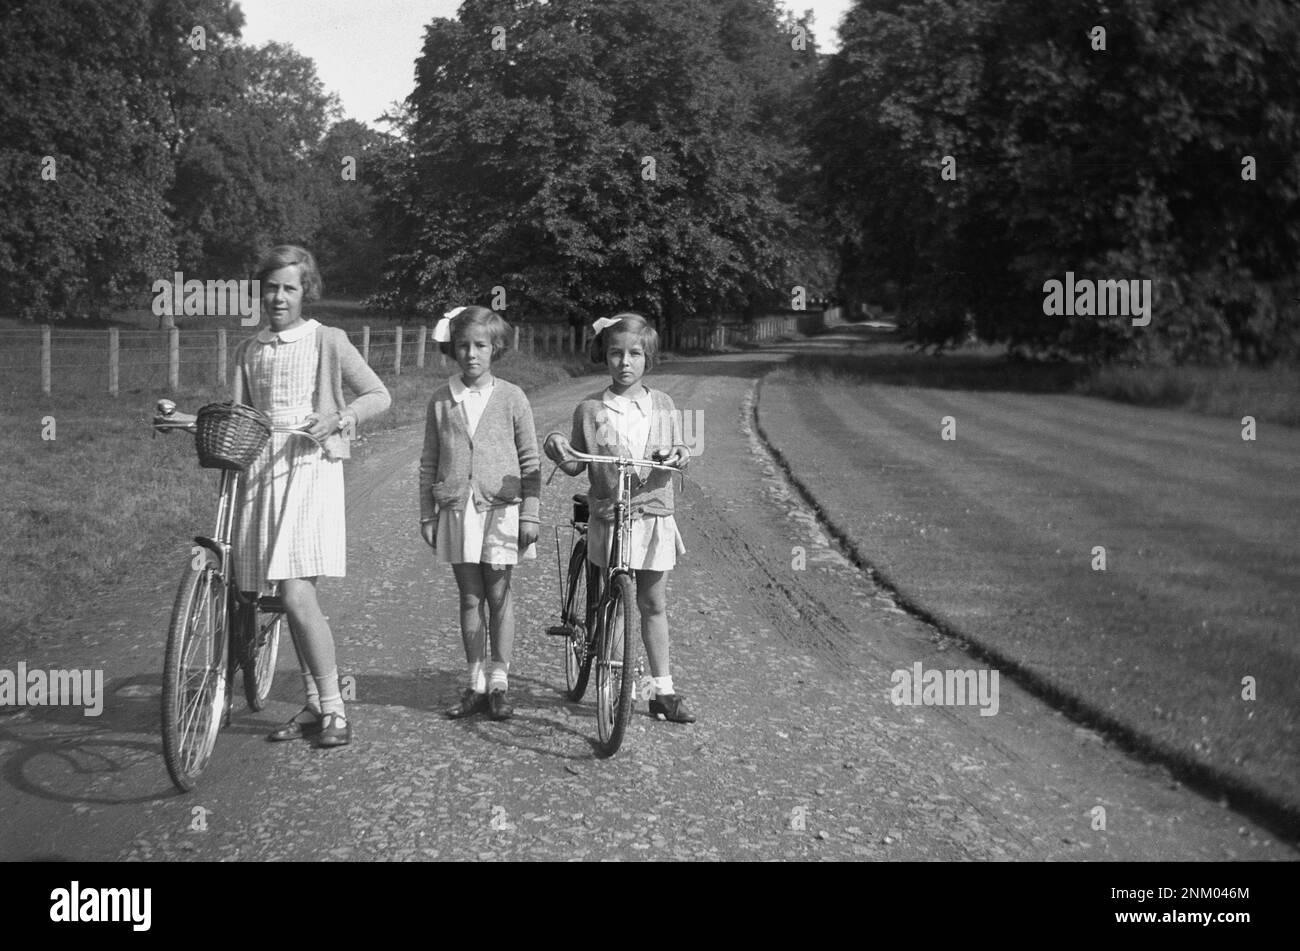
234, 630
618, 562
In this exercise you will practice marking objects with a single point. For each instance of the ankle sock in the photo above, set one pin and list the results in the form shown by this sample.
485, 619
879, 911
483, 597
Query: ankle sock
663, 685
331, 700
313, 695
477, 680
499, 680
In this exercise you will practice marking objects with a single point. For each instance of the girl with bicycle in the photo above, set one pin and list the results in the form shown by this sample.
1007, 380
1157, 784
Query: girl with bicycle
480, 485
290, 522
631, 420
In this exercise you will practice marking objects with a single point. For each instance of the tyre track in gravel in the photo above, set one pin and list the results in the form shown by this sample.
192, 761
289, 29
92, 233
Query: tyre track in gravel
798, 753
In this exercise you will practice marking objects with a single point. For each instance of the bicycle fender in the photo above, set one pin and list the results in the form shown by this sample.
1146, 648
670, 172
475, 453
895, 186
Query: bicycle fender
220, 554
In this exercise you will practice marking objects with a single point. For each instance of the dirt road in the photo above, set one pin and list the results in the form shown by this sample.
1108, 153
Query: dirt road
784, 650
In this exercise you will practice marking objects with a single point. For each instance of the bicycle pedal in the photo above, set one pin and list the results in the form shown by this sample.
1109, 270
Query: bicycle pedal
559, 630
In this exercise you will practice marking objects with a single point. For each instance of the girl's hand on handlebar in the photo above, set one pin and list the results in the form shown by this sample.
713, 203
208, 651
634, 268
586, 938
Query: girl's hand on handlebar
560, 451
321, 426
677, 457
557, 448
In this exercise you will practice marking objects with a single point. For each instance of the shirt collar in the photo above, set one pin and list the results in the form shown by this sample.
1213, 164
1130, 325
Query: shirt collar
620, 404
267, 335
459, 390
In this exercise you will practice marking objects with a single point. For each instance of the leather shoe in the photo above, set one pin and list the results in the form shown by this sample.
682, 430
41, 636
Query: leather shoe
499, 707
470, 704
298, 728
671, 707
335, 730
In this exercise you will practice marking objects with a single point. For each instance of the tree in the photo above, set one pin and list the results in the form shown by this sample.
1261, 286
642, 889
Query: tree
83, 157
252, 126
349, 245
602, 156
1117, 163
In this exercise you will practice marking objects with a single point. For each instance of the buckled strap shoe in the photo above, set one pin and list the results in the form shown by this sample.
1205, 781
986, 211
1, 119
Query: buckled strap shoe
305, 724
499, 707
671, 706
470, 704
335, 731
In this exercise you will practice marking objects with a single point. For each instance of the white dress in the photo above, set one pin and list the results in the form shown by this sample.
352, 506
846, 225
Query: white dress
466, 535
290, 515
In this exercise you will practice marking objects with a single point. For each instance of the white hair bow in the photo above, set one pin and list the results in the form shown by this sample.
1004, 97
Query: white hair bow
442, 329
601, 324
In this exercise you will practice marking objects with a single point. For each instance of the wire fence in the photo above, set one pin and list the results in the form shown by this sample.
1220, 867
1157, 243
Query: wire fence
56, 360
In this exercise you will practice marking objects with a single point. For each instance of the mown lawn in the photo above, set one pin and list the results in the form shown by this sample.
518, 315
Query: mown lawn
996, 533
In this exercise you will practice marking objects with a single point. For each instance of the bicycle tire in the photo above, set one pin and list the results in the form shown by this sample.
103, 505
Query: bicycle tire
614, 662
261, 651
195, 684
577, 618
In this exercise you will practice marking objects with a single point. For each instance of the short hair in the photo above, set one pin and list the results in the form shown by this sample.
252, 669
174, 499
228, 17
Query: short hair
288, 255
629, 322
475, 316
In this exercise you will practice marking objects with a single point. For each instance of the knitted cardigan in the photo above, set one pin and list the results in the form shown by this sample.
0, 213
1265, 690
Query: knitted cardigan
499, 463
594, 434
340, 363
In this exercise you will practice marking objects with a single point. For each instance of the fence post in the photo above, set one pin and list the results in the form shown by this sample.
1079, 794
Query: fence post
516, 346
174, 359
221, 356
397, 350
365, 344
420, 336
45, 360
113, 344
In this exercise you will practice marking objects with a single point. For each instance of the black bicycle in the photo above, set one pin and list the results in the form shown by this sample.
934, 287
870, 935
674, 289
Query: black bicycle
598, 613
216, 629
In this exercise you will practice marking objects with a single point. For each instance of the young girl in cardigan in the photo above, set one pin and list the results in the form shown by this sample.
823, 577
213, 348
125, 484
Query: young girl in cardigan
629, 419
480, 482
290, 523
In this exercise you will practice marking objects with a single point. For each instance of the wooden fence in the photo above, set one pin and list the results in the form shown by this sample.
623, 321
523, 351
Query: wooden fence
110, 360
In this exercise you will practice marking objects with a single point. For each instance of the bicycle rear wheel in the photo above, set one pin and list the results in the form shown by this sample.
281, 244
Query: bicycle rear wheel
616, 644
194, 694
578, 619
261, 651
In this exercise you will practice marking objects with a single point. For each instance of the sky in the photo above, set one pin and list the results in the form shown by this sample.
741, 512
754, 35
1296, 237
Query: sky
365, 53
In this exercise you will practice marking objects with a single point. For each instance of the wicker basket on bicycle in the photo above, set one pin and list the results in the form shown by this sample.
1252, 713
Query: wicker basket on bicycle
230, 435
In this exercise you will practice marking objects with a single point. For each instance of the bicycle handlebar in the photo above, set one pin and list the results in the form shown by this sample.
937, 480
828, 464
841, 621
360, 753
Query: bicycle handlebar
621, 461
166, 418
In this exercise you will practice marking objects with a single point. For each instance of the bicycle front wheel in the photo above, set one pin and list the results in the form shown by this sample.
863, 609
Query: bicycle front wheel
194, 693
578, 619
617, 642
261, 651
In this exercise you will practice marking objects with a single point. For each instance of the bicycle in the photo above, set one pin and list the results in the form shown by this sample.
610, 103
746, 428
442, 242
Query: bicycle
598, 609
216, 629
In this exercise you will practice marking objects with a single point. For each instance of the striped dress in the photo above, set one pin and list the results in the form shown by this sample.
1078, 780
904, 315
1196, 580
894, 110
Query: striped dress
290, 517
